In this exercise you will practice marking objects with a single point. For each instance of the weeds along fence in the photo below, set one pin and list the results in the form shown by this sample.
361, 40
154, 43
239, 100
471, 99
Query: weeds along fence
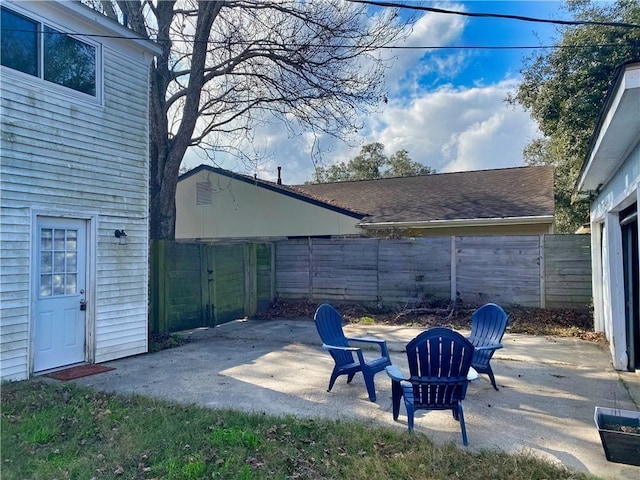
546, 271
194, 285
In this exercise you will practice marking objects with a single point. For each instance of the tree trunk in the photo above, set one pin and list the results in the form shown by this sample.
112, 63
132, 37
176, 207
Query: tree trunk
166, 153
162, 212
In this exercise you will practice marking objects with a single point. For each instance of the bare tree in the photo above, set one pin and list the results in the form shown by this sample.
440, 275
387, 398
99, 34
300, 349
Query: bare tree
229, 64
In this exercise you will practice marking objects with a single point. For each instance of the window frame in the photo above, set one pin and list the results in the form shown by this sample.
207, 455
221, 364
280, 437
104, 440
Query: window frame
39, 78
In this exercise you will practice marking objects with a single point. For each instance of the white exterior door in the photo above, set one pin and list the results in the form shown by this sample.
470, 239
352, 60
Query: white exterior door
59, 322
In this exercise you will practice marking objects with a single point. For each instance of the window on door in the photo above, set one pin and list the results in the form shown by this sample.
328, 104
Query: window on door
58, 262
36, 49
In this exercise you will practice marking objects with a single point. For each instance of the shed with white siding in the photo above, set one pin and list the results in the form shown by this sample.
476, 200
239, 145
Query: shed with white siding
73, 171
213, 204
610, 178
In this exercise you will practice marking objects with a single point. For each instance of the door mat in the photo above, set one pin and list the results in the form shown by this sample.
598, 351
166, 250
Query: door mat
78, 372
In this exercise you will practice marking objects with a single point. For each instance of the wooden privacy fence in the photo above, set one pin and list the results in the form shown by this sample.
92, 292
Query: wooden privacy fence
547, 271
195, 285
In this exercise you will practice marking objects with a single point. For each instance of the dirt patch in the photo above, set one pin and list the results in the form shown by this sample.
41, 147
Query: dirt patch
560, 322
162, 341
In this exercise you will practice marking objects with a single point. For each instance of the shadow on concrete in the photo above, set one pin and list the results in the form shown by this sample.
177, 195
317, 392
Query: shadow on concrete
549, 387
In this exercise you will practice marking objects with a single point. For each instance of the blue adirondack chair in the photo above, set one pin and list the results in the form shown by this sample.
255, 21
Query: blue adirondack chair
329, 324
439, 364
488, 324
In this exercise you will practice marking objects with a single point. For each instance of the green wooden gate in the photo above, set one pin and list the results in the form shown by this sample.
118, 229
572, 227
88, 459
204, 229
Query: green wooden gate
197, 285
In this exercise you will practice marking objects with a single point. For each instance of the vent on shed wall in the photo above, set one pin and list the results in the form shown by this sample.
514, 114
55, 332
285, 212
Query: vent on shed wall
204, 193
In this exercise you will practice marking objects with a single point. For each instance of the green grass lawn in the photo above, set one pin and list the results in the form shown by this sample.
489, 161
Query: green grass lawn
64, 431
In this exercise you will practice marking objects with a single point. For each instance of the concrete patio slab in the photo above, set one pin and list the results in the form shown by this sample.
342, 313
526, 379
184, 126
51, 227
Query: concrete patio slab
549, 387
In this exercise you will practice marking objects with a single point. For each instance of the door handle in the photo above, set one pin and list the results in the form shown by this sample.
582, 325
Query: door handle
83, 302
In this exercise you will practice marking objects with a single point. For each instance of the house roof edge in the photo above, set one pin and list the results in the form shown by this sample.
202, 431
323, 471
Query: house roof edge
281, 189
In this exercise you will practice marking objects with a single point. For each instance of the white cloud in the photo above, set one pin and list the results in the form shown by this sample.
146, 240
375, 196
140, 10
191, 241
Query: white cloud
430, 30
450, 129
459, 129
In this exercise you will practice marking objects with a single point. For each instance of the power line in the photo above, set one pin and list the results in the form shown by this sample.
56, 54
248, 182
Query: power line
406, 47
494, 15
293, 46
507, 47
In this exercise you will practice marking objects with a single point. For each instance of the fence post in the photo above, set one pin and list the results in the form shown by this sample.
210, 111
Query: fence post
543, 285
159, 322
310, 296
153, 287
204, 285
379, 301
453, 273
250, 252
272, 293
208, 267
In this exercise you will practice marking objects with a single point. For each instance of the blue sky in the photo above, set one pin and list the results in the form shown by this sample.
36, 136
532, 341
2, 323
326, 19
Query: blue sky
446, 106
494, 65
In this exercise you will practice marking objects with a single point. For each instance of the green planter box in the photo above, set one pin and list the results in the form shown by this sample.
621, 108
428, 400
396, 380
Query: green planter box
619, 446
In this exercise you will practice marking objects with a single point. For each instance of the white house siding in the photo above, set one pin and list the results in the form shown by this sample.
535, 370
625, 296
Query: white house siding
621, 191
15, 243
243, 210
66, 156
620, 188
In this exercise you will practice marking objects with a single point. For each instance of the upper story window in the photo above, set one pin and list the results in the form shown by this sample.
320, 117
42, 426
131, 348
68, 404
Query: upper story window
39, 50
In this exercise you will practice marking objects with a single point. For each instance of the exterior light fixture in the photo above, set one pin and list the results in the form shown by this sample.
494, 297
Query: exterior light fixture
121, 236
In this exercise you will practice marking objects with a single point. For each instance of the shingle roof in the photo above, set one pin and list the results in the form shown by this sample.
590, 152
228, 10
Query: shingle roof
501, 193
